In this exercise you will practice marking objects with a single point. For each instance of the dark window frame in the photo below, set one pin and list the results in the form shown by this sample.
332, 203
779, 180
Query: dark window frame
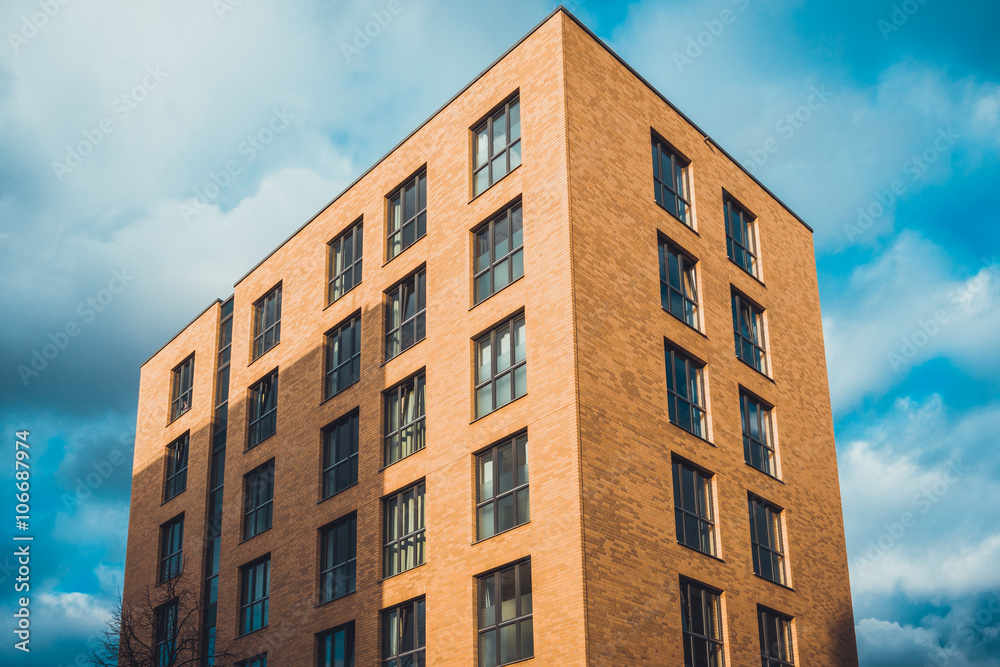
397, 226
702, 515
518, 492
181, 388
165, 634
749, 335
258, 500
266, 324
171, 549
496, 263
413, 286
346, 630
175, 467
709, 601
394, 644
250, 601
331, 569
329, 472
349, 276
759, 451
494, 374
262, 412
696, 407
397, 430
335, 365
396, 543
510, 151
742, 251
767, 540
777, 651
259, 660
674, 298
520, 620
664, 190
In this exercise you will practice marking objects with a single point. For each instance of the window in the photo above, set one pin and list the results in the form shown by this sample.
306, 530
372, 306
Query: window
499, 253
678, 288
404, 419
177, 463
740, 244
498, 146
343, 356
502, 482
259, 500
256, 591
670, 181
345, 263
267, 322
758, 446
403, 637
338, 558
256, 661
748, 325
171, 548
340, 454
765, 540
183, 380
405, 315
263, 409
775, 639
404, 530
701, 621
501, 369
505, 630
693, 511
336, 647
166, 634
407, 215
685, 393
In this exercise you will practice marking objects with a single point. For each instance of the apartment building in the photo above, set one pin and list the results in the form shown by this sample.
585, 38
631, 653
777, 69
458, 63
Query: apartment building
546, 383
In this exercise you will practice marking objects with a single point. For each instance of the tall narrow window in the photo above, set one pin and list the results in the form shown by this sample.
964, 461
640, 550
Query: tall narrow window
741, 245
693, 510
338, 558
267, 322
263, 409
343, 356
171, 548
404, 530
404, 419
165, 639
758, 443
502, 483
336, 647
258, 507
498, 146
678, 289
501, 366
505, 629
255, 595
403, 636
176, 469
340, 454
775, 639
765, 540
701, 622
748, 327
499, 253
670, 186
407, 215
345, 263
183, 381
685, 393
406, 314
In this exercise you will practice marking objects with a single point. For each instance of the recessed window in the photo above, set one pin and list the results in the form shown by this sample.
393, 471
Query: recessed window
256, 661
748, 326
404, 530
340, 454
501, 366
407, 215
267, 322
345, 263
406, 314
255, 583
403, 635
336, 647
338, 558
693, 508
258, 493
263, 409
499, 253
404, 419
701, 622
502, 483
765, 540
678, 286
165, 640
741, 245
343, 356
775, 639
171, 548
505, 629
758, 442
176, 467
685, 392
183, 381
498, 146
670, 186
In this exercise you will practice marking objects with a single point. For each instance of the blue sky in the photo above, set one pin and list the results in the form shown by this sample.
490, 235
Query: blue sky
877, 122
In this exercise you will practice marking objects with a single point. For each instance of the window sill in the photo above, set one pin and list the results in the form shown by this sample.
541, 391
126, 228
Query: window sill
493, 412
692, 328
391, 359
516, 280
502, 532
167, 581
262, 354
759, 281
247, 539
247, 634
408, 456
399, 574
693, 435
332, 600
178, 417
171, 498
346, 387
401, 253
334, 495
493, 184
765, 474
342, 296
686, 226
787, 588
707, 555
758, 372
259, 442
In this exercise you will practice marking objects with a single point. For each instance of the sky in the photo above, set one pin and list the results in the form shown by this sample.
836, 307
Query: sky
877, 121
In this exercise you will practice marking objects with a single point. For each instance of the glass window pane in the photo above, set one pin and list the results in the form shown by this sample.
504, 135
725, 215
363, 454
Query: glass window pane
499, 132
520, 381
483, 249
499, 167
508, 595
515, 119
515, 155
486, 521
501, 237
482, 147
503, 349
485, 477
